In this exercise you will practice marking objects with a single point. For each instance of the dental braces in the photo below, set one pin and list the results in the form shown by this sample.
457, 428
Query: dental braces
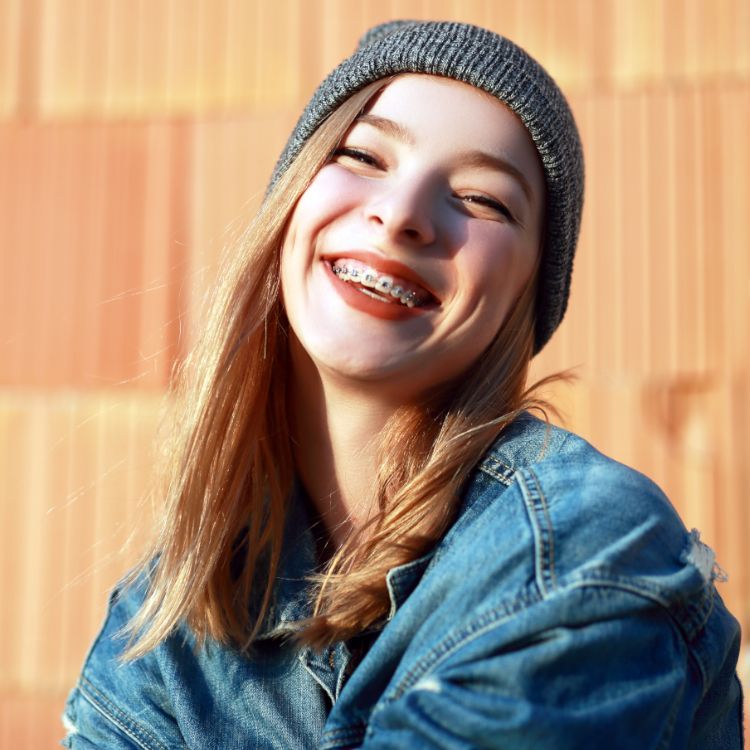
384, 284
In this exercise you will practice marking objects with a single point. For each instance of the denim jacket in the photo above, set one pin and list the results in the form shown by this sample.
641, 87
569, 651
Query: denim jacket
566, 607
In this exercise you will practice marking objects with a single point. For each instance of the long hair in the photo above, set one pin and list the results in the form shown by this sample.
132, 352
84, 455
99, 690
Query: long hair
227, 467
427, 454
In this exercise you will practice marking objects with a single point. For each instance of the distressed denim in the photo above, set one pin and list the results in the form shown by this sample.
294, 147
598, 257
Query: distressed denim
566, 607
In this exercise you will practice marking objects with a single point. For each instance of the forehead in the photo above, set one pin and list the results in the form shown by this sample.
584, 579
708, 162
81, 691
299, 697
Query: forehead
447, 114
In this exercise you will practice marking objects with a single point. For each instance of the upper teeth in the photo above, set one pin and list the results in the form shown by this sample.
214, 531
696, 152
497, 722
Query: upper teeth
370, 278
384, 284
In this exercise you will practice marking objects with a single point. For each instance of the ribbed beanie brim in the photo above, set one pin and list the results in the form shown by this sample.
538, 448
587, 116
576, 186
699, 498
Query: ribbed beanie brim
496, 65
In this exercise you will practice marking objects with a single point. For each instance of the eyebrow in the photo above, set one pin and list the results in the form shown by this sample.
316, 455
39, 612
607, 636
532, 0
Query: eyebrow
389, 127
490, 161
480, 159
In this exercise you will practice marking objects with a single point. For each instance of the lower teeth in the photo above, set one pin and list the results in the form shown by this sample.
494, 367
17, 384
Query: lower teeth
378, 297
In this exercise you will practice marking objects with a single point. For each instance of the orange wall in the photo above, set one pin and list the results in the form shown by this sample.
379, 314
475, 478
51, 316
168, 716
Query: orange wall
135, 140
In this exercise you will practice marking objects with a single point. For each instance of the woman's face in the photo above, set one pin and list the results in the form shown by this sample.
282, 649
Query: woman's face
405, 253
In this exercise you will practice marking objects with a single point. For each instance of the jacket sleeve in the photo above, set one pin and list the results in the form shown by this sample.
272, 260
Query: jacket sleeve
118, 705
93, 724
586, 617
622, 680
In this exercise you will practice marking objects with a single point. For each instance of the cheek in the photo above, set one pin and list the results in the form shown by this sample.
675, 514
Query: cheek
331, 192
491, 262
492, 279
305, 222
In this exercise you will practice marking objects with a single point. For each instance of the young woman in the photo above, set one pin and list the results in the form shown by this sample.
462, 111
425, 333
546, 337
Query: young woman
368, 540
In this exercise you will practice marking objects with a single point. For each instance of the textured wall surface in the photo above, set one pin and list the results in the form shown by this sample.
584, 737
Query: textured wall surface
135, 141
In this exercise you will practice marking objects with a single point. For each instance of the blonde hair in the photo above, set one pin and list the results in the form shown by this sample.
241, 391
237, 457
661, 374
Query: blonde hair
228, 467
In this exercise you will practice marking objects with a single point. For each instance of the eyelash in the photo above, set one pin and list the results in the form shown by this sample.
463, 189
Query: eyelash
357, 155
483, 200
369, 160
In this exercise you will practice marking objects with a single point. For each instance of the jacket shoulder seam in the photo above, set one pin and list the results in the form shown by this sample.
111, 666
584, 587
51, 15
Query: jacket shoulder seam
117, 717
501, 453
544, 537
498, 470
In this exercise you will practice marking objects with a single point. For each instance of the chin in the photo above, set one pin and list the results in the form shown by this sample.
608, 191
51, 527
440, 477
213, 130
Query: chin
364, 368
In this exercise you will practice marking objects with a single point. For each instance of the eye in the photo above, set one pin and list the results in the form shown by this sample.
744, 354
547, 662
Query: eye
485, 202
346, 153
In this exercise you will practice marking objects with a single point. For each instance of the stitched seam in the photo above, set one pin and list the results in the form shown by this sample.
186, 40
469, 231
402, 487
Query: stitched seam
541, 523
741, 712
495, 475
304, 660
547, 439
699, 614
690, 619
550, 534
644, 593
114, 715
668, 735
490, 621
698, 665
349, 736
497, 450
344, 732
666, 738
504, 476
453, 642
622, 585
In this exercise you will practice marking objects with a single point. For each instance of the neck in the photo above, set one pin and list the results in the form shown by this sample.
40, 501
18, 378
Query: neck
336, 430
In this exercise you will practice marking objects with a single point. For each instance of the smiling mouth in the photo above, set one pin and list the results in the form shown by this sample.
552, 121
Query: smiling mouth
383, 287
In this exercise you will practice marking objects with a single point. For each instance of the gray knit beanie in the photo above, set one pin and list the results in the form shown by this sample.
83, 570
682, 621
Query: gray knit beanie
490, 62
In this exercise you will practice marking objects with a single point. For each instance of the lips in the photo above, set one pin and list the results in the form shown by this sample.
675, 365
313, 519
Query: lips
382, 278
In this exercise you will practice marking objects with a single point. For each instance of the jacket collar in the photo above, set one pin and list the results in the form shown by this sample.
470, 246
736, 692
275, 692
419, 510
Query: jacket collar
299, 560
526, 440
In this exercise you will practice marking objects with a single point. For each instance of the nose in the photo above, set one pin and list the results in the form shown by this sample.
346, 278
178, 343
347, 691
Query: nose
404, 212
